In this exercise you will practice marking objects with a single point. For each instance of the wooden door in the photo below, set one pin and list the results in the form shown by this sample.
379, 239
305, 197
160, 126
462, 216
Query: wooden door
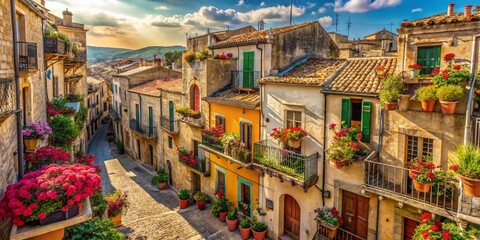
196, 183
409, 227
355, 214
292, 217
170, 173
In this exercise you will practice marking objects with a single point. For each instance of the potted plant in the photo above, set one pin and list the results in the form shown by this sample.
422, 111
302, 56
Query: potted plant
194, 114
449, 95
232, 220
427, 96
259, 230
452, 75
220, 207
344, 147
120, 147
330, 219
436, 229
34, 132
245, 228
183, 110
184, 197
117, 205
390, 90
292, 135
98, 203
160, 180
96, 228
201, 199
424, 175
466, 162
415, 69
45, 156
190, 57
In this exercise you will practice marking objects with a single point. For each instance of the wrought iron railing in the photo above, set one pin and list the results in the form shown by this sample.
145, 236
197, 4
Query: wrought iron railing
395, 180
202, 165
235, 152
147, 131
300, 166
341, 234
245, 79
27, 53
7, 95
54, 45
212, 142
169, 125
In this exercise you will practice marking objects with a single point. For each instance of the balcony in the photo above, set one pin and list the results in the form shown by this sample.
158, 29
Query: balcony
171, 126
393, 182
52, 45
202, 166
241, 156
28, 60
146, 131
193, 122
299, 169
114, 114
245, 79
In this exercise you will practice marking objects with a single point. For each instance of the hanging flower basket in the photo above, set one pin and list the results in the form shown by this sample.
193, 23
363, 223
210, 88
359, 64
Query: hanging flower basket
294, 143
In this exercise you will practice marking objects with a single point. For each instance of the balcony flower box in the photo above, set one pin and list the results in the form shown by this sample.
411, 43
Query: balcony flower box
344, 149
293, 136
330, 219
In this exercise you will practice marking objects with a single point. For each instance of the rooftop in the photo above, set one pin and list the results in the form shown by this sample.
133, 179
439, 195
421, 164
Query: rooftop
442, 19
134, 71
153, 88
314, 71
94, 80
359, 75
261, 35
237, 97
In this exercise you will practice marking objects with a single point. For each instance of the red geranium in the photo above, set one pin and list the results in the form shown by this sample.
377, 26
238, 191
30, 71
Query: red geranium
45, 156
449, 57
291, 133
415, 66
457, 67
434, 72
187, 157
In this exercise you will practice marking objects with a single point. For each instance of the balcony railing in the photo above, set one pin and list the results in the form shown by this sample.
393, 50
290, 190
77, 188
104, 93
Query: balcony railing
237, 154
7, 95
169, 125
212, 142
27, 53
202, 166
54, 45
245, 79
342, 234
394, 182
299, 166
114, 114
147, 131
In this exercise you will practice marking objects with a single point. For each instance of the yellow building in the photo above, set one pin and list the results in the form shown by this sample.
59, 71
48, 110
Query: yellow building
236, 111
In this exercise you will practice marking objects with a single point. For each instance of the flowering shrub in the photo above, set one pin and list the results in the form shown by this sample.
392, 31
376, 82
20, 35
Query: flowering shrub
449, 57
344, 146
47, 190
330, 216
424, 171
45, 156
117, 203
190, 57
88, 160
291, 133
36, 130
215, 132
430, 229
64, 131
415, 66
452, 75
59, 106
187, 157
223, 56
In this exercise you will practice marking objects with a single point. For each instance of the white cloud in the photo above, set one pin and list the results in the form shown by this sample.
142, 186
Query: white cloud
311, 5
417, 10
358, 6
313, 13
329, 4
326, 21
262, 4
322, 10
241, 3
162, 8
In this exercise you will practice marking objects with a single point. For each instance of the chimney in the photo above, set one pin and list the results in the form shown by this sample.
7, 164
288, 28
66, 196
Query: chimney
468, 11
451, 8
67, 18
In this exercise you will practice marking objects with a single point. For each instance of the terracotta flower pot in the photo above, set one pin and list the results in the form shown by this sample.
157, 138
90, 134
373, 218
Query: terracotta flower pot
183, 203
338, 164
428, 106
54, 235
448, 108
117, 220
294, 143
232, 224
259, 235
332, 233
422, 187
31, 143
222, 216
162, 186
404, 102
245, 232
391, 106
471, 186
201, 205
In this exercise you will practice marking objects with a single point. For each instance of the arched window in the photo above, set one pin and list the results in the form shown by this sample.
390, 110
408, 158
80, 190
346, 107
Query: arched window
195, 98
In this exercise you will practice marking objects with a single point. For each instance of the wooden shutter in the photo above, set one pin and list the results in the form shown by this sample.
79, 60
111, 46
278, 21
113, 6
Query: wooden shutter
248, 64
366, 121
346, 112
428, 58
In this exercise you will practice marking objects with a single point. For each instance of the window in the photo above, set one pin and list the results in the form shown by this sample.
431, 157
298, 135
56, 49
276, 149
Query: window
116, 89
294, 119
245, 196
195, 98
220, 180
220, 120
357, 113
417, 146
246, 134
428, 58
170, 142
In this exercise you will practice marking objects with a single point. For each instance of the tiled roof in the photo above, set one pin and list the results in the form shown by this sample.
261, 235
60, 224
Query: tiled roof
314, 71
134, 71
440, 19
236, 97
259, 35
359, 75
152, 88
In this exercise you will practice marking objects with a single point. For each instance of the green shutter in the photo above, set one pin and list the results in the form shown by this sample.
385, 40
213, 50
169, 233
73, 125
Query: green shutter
346, 112
248, 64
366, 121
428, 58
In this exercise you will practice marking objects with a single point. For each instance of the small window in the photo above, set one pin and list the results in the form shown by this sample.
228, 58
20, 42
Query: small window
220, 181
428, 58
170, 142
418, 147
246, 134
294, 119
219, 120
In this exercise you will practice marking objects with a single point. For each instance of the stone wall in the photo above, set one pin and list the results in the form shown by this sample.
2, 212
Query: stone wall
197, 44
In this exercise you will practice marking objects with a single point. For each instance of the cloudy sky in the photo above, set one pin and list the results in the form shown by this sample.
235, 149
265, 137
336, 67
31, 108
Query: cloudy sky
139, 23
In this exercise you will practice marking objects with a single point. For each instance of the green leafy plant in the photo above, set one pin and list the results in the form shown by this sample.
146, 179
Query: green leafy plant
117, 203
450, 93
389, 96
183, 110
72, 97
451, 76
259, 226
161, 177
426, 93
436, 229
232, 214
184, 194
64, 132
94, 229
466, 161
98, 204
245, 223
120, 147
390, 89
222, 204
190, 57
205, 54
200, 197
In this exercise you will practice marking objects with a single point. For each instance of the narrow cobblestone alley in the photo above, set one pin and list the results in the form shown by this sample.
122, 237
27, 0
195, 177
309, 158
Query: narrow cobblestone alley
153, 214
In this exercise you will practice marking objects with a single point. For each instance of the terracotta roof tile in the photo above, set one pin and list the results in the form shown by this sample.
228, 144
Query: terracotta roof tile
359, 75
440, 19
259, 35
152, 88
314, 71
238, 98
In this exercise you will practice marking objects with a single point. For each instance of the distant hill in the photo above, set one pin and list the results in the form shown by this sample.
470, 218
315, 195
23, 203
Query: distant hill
98, 54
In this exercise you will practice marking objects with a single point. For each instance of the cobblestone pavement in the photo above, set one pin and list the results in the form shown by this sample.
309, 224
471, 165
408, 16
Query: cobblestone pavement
153, 214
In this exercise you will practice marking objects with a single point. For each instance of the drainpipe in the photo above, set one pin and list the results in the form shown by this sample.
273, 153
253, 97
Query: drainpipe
324, 143
380, 198
405, 46
45, 65
261, 59
19, 110
473, 71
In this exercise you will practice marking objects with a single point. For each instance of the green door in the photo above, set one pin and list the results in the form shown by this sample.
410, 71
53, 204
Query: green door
150, 121
248, 69
171, 114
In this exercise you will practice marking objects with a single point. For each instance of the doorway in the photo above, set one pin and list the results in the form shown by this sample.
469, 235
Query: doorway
291, 217
170, 175
355, 210
196, 183
139, 150
150, 150
409, 227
